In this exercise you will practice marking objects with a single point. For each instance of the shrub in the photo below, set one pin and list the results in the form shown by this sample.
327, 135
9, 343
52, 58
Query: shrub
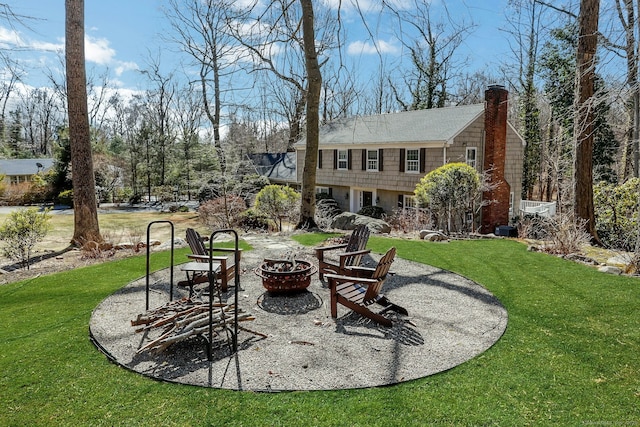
408, 220
450, 192
372, 211
66, 198
277, 202
326, 210
616, 211
22, 230
221, 212
252, 220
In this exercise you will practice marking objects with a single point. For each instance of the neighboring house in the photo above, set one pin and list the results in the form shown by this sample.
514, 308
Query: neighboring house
279, 168
17, 171
378, 160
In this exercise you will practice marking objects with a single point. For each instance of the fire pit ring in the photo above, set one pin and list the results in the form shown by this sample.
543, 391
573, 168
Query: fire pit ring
280, 275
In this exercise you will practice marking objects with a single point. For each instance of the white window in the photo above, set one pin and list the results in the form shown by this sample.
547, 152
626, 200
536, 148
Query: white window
413, 161
512, 197
471, 156
409, 202
372, 160
342, 159
322, 190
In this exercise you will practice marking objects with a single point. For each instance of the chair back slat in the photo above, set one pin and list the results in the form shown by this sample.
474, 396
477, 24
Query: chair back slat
357, 242
195, 242
380, 274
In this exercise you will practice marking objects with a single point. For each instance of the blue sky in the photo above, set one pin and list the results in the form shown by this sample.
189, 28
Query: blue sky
120, 34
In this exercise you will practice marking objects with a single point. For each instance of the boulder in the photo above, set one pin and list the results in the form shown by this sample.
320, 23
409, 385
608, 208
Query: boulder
178, 243
350, 220
610, 269
433, 235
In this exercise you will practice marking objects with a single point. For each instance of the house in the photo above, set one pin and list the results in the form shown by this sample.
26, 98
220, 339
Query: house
279, 168
378, 160
17, 171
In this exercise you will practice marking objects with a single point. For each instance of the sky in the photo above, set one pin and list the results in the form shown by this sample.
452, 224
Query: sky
121, 35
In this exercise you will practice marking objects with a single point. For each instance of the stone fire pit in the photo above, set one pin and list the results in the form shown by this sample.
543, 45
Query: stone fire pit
279, 275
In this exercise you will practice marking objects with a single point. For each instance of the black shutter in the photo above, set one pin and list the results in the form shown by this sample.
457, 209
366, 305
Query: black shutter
364, 160
423, 160
335, 159
349, 159
402, 154
330, 192
319, 159
380, 159
400, 201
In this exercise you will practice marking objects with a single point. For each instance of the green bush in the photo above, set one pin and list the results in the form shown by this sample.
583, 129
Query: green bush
22, 230
252, 220
616, 211
372, 211
66, 198
450, 192
278, 202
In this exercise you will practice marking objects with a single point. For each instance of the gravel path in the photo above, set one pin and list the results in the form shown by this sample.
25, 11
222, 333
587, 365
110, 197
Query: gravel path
451, 320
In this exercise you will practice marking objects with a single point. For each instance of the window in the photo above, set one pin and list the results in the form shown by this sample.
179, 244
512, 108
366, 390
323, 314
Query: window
372, 160
409, 202
512, 197
342, 159
471, 156
413, 161
322, 190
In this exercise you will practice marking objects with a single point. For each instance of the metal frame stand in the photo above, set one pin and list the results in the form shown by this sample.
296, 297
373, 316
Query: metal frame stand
148, 255
211, 285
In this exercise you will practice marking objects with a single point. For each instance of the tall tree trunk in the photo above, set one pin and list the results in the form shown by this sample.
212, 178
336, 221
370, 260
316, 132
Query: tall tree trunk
84, 196
308, 202
584, 114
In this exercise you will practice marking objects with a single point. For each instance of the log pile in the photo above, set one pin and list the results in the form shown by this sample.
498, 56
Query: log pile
182, 319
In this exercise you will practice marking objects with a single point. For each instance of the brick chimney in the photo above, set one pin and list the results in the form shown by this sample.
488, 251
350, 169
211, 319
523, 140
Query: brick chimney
496, 212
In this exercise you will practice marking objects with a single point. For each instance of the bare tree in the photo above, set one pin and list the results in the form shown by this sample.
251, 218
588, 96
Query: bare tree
432, 51
84, 197
584, 113
312, 65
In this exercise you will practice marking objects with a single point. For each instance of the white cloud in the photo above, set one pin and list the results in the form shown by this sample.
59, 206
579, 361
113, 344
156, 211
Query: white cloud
369, 48
10, 37
125, 66
98, 50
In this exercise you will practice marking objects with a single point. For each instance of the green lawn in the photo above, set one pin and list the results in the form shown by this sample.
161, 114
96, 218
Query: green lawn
569, 355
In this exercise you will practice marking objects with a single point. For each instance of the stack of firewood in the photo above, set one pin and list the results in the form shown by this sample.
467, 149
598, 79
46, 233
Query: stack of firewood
182, 319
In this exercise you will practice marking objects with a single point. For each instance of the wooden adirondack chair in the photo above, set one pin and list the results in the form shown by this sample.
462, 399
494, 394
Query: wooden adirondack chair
352, 253
200, 253
361, 288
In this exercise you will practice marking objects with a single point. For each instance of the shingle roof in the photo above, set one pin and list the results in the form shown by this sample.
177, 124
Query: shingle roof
433, 125
13, 167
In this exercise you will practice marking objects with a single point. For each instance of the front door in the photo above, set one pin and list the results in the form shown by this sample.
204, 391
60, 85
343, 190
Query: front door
367, 198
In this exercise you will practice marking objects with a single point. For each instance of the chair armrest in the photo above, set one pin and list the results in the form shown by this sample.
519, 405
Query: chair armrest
338, 278
359, 272
343, 257
206, 257
322, 249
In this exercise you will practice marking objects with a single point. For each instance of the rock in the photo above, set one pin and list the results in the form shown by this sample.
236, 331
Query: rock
620, 260
435, 237
350, 220
124, 245
610, 269
178, 243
